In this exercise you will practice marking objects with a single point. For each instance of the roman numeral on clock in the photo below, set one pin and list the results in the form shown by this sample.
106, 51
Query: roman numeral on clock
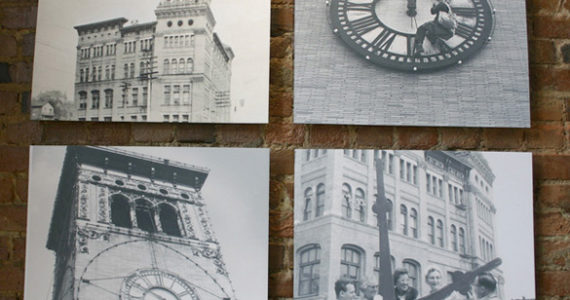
364, 25
463, 30
468, 12
358, 6
385, 39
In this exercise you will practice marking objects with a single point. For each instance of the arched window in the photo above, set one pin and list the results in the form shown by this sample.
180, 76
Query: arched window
142, 68
145, 215
414, 272
108, 98
121, 211
461, 240
82, 100
309, 263
308, 204
404, 213
453, 238
189, 65
361, 202
377, 264
320, 199
174, 65
132, 70
95, 99
414, 222
169, 219
166, 66
440, 233
431, 230
351, 262
346, 199
181, 66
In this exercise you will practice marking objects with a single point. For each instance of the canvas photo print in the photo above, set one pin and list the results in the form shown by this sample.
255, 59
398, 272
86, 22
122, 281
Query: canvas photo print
152, 61
412, 62
430, 225
147, 223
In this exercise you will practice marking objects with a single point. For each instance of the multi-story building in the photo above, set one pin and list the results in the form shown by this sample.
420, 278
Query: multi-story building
127, 226
442, 215
175, 69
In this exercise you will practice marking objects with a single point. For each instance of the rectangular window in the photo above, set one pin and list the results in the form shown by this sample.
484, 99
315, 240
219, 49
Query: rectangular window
107, 119
415, 175
112, 72
186, 94
166, 95
402, 169
133, 118
440, 188
166, 118
95, 99
108, 98
144, 96
175, 118
428, 183
408, 172
185, 118
135, 94
176, 94
390, 164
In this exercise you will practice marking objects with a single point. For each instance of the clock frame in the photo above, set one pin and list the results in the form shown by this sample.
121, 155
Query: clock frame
359, 26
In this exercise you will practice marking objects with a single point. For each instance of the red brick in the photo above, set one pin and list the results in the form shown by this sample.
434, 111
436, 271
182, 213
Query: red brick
542, 52
282, 162
552, 224
280, 193
22, 187
9, 103
21, 72
554, 283
503, 138
19, 249
245, 135
13, 218
551, 166
281, 72
154, 133
65, 133
281, 46
329, 136
460, 138
552, 253
281, 223
6, 189
543, 6
281, 20
542, 136
13, 282
13, 158
417, 137
19, 17
280, 104
285, 133
276, 257
5, 248
24, 133
555, 196
28, 44
9, 45
369, 136
196, 133
546, 109
109, 134
551, 27
281, 284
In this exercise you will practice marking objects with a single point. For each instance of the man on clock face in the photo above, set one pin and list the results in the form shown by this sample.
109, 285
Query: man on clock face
442, 26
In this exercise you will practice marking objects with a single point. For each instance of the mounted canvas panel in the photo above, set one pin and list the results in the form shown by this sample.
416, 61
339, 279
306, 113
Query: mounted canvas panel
147, 223
185, 61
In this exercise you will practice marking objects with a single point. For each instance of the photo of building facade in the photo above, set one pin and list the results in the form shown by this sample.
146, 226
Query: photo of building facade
442, 215
130, 225
175, 69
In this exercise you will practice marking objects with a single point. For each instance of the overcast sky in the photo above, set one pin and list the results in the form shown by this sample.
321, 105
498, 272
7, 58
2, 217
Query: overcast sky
236, 195
243, 25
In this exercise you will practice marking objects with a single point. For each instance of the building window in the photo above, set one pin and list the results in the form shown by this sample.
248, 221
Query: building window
132, 70
99, 72
108, 98
310, 260
350, 262
414, 272
189, 65
166, 66
186, 94
440, 233
141, 68
107, 73
363, 156
82, 100
390, 164
308, 203
121, 211
112, 72
81, 74
453, 238
145, 215
361, 202
320, 200
174, 66
402, 169
169, 220
166, 95
126, 70
461, 240
181, 66
176, 95
95, 99
389, 214
144, 96
404, 213
428, 183
431, 230
346, 199
135, 95
415, 175
414, 222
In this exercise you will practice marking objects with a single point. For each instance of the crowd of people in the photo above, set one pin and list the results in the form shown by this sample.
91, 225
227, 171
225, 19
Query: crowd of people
484, 287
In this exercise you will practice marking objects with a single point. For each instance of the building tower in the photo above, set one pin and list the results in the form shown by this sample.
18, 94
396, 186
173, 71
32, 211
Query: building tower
127, 226
442, 216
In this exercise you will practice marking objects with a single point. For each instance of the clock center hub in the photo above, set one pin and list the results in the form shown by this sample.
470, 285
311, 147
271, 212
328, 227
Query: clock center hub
394, 14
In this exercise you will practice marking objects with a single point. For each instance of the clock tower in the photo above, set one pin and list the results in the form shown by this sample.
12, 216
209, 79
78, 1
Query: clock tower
129, 226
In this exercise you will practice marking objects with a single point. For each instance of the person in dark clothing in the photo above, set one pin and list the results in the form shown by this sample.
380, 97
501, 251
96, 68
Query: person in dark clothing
441, 27
402, 287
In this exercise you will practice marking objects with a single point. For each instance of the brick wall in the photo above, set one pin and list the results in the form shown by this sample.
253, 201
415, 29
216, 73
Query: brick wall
548, 139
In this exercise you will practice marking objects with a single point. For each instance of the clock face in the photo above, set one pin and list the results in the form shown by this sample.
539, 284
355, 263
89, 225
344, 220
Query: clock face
155, 284
410, 35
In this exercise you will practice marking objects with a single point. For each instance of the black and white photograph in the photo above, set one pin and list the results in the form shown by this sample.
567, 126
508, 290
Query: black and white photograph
187, 61
406, 225
412, 62
147, 223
